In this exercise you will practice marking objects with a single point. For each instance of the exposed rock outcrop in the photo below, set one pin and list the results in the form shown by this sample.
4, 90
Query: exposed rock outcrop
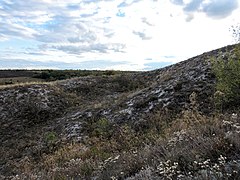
28, 113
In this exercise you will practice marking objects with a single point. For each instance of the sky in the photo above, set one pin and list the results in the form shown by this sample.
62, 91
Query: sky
111, 34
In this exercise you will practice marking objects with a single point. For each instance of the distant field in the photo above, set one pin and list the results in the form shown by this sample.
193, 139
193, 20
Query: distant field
24, 76
17, 73
16, 80
18, 76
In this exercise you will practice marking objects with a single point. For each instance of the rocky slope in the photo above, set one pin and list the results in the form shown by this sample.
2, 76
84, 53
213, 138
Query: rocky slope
29, 114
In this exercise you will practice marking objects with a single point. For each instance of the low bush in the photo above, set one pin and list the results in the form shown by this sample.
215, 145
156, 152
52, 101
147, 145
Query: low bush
227, 71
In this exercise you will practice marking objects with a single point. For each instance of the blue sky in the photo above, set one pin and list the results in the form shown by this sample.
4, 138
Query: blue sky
111, 34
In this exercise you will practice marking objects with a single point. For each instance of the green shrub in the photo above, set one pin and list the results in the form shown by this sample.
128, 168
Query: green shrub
227, 72
99, 128
50, 137
45, 75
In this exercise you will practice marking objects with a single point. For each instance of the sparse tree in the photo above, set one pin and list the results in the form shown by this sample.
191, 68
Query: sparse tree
235, 30
228, 74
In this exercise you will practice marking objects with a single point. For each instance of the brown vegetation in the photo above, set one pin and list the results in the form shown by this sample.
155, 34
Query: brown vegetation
162, 124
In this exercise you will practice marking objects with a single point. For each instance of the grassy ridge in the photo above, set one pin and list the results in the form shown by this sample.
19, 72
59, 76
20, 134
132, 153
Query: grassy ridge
192, 146
81, 128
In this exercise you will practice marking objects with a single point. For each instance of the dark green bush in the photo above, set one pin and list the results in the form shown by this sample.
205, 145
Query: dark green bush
99, 128
227, 71
50, 137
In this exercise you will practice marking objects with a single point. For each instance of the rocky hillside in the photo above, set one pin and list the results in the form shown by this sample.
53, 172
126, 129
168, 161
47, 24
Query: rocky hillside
61, 130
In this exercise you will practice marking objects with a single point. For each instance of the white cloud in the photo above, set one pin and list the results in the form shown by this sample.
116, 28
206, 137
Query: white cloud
126, 67
116, 30
142, 35
212, 8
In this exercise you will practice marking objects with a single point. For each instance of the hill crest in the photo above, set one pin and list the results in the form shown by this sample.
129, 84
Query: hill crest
30, 113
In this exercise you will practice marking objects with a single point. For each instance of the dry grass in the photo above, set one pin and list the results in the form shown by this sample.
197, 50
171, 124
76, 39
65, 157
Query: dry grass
161, 146
24, 84
17, 80
193, 145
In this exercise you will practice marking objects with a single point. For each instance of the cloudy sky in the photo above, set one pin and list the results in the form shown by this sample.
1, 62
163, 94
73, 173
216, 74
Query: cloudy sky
111, 34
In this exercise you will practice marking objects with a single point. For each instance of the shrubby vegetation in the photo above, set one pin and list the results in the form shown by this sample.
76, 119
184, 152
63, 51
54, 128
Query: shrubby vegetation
52, 75
227, 71
192, 146
10, 77
157, 145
